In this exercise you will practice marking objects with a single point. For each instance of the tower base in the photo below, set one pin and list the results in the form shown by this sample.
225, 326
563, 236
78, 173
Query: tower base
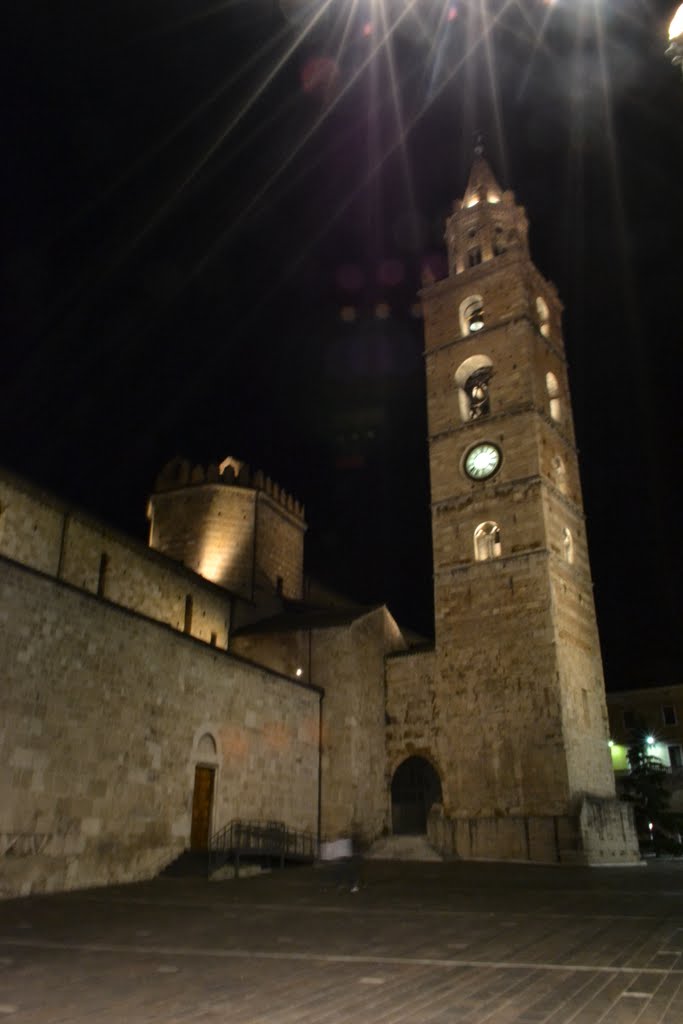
601, 834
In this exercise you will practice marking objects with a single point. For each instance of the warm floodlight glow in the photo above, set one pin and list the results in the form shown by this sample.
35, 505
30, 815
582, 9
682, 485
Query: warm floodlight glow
299, 673
473, 201
493, 197
676, 26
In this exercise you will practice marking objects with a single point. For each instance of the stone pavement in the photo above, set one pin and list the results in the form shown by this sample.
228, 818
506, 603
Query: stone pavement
428, 943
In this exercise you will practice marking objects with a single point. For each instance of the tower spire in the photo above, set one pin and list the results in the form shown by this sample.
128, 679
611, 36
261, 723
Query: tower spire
481, 185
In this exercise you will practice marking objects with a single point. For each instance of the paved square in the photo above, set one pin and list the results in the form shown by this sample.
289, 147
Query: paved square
418, 944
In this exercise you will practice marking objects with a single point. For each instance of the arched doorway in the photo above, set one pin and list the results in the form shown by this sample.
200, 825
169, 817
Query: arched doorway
203, 793
414, 788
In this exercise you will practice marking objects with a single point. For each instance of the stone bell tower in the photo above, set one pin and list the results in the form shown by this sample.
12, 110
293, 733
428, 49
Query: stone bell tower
518, 726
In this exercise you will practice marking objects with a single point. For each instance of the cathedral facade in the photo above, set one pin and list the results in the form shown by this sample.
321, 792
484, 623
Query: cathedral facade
153, 694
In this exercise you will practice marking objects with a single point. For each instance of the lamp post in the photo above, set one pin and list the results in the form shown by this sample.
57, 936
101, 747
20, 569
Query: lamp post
675, 50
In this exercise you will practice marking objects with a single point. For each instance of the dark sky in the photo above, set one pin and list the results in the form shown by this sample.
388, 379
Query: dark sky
216, 222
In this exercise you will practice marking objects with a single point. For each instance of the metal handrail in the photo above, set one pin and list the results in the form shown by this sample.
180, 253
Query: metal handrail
271, 839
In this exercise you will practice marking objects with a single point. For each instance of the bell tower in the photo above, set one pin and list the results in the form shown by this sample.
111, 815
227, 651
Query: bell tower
518, 728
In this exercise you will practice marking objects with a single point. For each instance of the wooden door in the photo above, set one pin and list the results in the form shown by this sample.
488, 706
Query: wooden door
202, 805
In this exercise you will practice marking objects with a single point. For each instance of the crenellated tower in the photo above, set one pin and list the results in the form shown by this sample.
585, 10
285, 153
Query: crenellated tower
234, 527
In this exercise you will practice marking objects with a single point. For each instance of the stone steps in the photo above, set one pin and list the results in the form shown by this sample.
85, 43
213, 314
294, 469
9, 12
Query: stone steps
415, 848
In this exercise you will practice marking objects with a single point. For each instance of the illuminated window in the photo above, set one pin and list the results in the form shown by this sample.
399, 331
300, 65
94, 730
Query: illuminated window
553, 389
487, 542
568, 544
471, 315
543, 317
473, 377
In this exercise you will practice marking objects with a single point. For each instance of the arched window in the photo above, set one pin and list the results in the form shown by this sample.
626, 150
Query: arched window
472, 378
559, 474
553, 389
498, 241
543, 316
487, 541
477, 391
471, 315
568, 544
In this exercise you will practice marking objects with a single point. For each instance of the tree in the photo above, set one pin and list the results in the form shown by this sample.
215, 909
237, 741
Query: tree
646, 787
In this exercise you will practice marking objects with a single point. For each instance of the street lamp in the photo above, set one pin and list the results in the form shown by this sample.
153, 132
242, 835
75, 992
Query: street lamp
675, 50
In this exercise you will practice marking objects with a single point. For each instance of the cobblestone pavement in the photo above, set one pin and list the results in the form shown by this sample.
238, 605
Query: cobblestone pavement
418, 944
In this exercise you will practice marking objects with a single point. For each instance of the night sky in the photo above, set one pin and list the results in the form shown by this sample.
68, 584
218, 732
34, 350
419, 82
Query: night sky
217, 216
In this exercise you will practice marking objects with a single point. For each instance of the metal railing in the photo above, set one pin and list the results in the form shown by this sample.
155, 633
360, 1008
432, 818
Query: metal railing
260, 841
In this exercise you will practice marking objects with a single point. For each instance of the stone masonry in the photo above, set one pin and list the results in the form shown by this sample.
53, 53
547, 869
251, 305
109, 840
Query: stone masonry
516, 720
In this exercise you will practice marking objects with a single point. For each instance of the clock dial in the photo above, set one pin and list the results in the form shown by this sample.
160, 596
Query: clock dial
482, 461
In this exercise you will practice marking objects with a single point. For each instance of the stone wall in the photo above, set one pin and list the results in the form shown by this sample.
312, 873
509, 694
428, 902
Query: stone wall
210, 529
601, 833
280, 548
347, 661
41, 532
413, 710
103, 717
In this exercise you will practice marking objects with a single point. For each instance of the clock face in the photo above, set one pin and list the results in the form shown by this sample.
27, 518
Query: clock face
482, 460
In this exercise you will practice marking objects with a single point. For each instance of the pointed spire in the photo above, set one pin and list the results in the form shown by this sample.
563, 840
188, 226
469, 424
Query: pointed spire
482, 185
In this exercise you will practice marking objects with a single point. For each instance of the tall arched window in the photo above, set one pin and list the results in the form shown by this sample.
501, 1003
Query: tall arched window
498, 241
568, 544
553, 388
471, 314
543, 316
559, 474
487, 541
477, 390
473, 377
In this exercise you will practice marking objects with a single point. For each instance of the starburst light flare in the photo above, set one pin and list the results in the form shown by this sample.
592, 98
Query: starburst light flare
675, 50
